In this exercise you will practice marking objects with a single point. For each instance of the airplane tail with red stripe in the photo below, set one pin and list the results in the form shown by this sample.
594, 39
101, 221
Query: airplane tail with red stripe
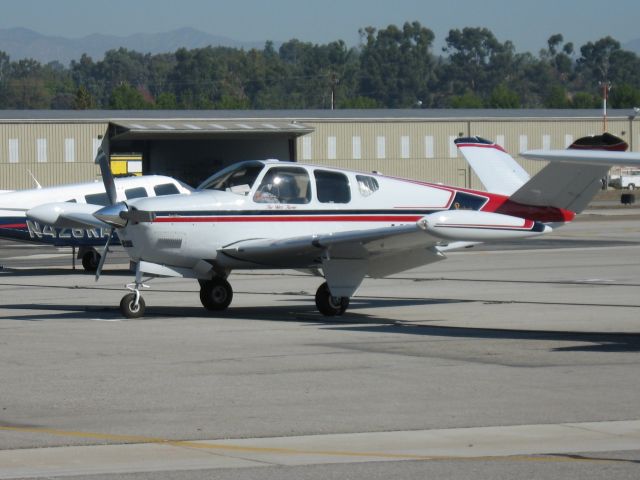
569, 181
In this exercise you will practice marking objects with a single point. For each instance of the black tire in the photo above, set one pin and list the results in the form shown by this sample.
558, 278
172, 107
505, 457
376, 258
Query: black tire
627, 198
327, 304
91, 260
129, 309
631, 186
216, 294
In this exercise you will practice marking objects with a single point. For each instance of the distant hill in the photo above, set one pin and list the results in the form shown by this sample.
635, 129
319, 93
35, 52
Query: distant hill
633, 45
24, 43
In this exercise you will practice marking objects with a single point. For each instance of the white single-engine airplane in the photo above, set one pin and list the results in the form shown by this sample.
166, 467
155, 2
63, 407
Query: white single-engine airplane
79, 198
340, 224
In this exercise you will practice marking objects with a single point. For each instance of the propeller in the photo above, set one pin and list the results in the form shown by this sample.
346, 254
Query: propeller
110, 214
116, 214
103, 256
107, 177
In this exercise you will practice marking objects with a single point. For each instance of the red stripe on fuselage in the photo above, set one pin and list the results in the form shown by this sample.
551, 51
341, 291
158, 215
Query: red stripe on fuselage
14, 225
294, 218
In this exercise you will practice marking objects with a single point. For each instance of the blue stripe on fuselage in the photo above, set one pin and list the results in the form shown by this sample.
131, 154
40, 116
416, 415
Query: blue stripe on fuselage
23, 230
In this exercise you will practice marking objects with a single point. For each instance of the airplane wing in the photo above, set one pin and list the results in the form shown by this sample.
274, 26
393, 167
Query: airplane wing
345, 257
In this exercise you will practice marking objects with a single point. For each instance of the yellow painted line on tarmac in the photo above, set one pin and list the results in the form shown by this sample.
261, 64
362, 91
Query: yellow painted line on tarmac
204, 445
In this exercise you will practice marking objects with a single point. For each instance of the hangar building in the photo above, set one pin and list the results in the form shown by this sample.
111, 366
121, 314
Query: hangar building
60, 146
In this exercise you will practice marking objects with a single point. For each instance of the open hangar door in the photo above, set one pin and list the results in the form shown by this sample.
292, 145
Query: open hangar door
192, 150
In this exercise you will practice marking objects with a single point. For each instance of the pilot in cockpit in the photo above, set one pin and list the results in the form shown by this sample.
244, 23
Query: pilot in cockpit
276, 188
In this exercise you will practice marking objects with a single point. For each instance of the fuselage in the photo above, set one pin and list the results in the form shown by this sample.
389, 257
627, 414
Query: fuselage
235, 205
13, 207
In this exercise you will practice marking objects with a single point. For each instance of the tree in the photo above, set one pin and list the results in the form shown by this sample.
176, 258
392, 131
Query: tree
584, 100
595, 61
83, 99
478, 62
503, 97
397, 65
126, 97
467, 100
625, 96
26, 88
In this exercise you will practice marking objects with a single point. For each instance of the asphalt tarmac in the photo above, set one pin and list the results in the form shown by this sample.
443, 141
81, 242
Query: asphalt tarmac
517, 360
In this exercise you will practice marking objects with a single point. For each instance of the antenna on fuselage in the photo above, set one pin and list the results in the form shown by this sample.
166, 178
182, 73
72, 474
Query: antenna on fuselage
34, 179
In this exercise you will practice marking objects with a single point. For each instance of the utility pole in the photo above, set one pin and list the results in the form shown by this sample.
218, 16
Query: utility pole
334, 83
606, 86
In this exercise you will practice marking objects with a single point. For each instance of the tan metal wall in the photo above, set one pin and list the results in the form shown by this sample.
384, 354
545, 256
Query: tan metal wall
55, 170
439, 167
444, 167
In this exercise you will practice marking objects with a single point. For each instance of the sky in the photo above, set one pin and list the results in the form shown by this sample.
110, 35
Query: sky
527, 24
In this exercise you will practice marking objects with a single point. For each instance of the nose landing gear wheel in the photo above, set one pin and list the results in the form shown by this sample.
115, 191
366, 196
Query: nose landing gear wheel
129, 308
215, 294
329, 305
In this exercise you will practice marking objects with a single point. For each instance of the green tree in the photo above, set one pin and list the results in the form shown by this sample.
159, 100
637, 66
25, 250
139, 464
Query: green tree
397, 65
83, 99
126, 97
166, 101
625, 96
503, 97
584, 100
26, 87
466, 100
478, 62
557, 97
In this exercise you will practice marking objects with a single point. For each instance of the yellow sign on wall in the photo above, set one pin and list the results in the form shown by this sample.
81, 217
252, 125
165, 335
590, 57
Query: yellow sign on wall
126, 164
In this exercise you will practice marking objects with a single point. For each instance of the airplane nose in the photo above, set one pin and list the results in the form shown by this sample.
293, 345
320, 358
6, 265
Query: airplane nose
112, 215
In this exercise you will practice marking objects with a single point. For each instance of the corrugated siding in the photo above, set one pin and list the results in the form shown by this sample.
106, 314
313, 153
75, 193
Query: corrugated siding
54, 170
422, 135
440, 168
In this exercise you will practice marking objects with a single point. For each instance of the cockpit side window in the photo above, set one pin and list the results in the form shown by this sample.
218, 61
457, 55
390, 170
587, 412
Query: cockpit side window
165, 189
97, 199
239, 180
284, 185
367, 185
137, 192
332, 187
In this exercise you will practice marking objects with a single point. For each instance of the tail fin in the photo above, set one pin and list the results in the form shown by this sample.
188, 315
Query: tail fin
497, 170
571, 179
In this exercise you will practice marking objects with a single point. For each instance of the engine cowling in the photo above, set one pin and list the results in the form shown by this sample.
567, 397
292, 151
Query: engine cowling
474, 226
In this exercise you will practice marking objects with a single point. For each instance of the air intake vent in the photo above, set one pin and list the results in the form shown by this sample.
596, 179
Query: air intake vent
169, 243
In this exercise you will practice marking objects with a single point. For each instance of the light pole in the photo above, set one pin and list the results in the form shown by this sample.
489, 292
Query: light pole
606, 86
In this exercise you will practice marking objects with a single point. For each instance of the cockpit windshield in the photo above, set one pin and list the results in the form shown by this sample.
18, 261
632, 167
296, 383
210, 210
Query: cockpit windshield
237, 178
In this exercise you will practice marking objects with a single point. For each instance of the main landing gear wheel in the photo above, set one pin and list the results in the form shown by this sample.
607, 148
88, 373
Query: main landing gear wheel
130, 308
329, 305
90, 260
215, 294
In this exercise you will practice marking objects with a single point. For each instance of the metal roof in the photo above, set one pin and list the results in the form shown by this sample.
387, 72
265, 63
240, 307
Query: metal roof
307, 115
189, 128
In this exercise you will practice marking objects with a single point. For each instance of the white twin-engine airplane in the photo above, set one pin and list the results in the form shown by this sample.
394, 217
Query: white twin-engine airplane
79, 198
340, 224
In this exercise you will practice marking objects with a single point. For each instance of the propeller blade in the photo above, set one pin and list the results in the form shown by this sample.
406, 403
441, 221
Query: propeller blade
107, 177
103, 257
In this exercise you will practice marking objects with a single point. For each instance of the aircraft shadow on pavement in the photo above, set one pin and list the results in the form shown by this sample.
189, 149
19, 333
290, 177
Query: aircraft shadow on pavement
602, 342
